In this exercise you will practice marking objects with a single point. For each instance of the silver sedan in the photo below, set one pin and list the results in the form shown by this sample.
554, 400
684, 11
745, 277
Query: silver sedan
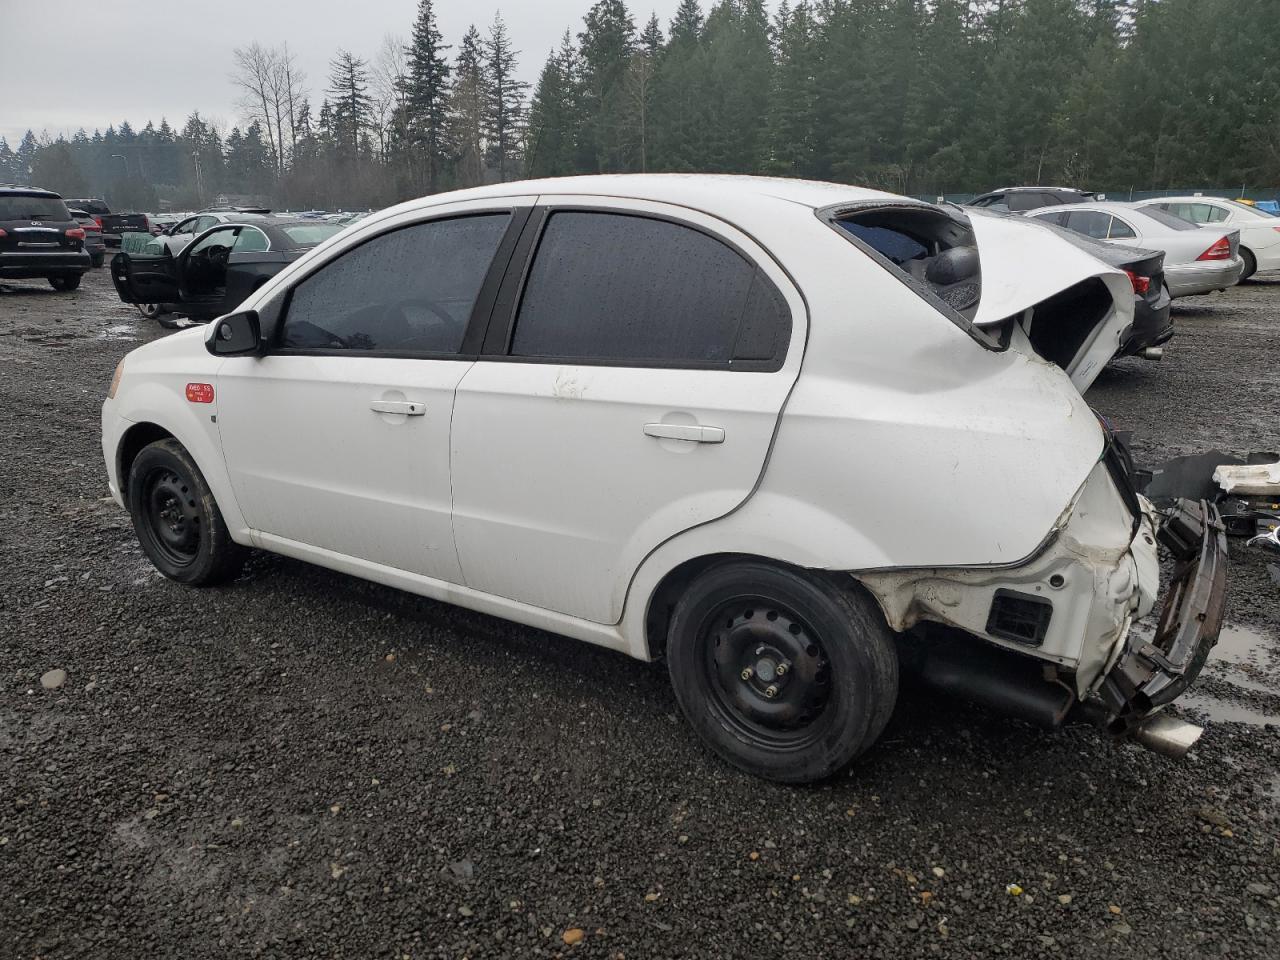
1196, 260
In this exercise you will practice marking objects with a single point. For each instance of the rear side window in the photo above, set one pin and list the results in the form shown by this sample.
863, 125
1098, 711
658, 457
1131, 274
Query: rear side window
1029, 201
1162, 216
27, 207
1092, 223
1057, 217
1121, 230
407, 291
630, 289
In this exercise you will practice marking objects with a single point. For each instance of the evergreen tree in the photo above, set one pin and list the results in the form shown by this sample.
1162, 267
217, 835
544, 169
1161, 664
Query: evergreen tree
349, 104
468, 110
504, 101
554, 115
792, 116
681, 111
605, 44
427, 97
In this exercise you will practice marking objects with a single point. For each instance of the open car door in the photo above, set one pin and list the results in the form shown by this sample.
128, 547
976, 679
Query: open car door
145, 278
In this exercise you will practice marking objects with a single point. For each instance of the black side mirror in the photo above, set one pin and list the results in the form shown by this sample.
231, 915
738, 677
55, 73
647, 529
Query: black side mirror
236, 334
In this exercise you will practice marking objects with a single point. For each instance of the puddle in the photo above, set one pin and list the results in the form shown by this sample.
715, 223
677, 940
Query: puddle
119, 331
1225, 711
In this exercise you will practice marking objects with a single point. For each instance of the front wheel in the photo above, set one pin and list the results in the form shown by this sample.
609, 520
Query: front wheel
784, 674
177, 521
65, 283
151, 310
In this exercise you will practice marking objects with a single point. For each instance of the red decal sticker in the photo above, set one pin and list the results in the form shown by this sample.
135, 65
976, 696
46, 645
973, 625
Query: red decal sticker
200, 392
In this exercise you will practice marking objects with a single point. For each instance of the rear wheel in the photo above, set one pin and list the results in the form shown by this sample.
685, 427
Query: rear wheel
1250, 263
65, 282
98, 259
784, 674
151, 310
177, 521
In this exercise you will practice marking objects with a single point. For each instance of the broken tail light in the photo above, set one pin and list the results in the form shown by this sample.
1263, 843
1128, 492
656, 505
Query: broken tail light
1219, 251
1141, 285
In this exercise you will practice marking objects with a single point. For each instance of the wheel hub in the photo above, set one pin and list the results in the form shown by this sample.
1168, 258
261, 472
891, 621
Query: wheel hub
172, 516
770, 669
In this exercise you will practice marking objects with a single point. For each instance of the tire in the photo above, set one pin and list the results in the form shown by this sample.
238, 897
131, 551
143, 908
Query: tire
151, 310
1250, 264
732, 629
65, 282
177, 521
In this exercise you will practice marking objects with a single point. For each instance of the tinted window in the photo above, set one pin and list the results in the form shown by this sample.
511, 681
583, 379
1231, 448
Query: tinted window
1196, 212
1057, 217
1028, 201
408, 291
1121, 230
623, 288
1092, 223
20, 207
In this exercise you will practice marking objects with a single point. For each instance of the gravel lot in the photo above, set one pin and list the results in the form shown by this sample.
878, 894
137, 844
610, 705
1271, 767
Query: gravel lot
304, 765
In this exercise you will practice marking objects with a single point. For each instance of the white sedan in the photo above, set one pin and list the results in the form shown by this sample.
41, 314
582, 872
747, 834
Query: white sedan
775, 432
1196, 260
1259, 231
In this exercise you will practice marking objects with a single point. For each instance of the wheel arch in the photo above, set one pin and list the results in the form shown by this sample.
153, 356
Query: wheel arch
131, 443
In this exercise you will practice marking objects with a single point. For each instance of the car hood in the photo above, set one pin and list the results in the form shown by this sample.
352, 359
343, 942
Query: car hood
1025, 267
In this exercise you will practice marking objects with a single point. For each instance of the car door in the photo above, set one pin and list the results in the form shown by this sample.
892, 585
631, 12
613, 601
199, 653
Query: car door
338, 438
632, 379
145, 277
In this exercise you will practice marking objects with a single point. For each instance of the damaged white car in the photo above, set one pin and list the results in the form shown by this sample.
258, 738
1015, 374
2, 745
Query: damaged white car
786, 435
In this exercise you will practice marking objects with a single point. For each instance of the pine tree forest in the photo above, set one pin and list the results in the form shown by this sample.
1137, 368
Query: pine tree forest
923, 97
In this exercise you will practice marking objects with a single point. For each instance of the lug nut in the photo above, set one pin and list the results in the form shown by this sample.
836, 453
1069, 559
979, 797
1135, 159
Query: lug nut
748, 673
783, 667
771, 691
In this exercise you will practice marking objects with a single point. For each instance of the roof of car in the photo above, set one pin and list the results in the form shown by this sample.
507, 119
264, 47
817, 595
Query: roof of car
28, 191
1037, 190
1191, 199
701, 191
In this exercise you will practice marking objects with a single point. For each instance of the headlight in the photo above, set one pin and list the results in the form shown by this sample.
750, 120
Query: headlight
115, 380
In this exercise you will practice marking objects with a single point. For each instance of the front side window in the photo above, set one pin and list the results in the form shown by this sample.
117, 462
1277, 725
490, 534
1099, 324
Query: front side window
407, 291
620, 288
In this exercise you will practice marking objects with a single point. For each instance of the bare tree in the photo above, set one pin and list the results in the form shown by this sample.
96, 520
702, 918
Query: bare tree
271, 93
387, 87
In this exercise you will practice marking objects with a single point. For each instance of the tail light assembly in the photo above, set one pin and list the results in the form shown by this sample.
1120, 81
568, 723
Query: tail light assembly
75, 233
1141, 285
1221, 250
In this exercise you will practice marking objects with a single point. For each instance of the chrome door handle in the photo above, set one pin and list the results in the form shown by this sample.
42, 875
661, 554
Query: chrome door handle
692, 432
410, 408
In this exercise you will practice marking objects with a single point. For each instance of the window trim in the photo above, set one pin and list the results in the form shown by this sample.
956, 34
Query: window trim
481, 310
1133, 231
501, 329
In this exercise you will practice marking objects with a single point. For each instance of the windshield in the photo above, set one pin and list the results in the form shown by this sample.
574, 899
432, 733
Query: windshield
309, 234
32, 208
1249, 209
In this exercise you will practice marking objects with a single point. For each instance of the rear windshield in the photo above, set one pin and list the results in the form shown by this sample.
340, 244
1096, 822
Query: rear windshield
309, 234
1168, 219
21, 207
94, 207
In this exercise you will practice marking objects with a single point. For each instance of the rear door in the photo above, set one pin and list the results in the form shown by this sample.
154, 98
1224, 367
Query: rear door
630, 387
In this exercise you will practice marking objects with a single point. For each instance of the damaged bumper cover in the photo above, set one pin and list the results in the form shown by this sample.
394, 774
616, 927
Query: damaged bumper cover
1151, 672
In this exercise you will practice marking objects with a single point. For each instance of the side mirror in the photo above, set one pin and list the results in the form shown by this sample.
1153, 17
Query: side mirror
236, 334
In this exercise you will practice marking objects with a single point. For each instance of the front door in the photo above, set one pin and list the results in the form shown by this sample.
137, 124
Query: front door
338, 439
636, 396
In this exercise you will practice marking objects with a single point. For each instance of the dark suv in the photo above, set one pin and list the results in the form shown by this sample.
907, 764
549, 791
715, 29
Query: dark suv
40, 238
1018, 199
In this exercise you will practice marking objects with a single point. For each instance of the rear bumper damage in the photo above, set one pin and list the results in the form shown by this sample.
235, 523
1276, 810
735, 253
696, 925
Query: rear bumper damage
1151, 672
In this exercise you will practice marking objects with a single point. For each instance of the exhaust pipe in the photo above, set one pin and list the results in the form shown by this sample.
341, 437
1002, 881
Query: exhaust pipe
1167, 735
1152, 353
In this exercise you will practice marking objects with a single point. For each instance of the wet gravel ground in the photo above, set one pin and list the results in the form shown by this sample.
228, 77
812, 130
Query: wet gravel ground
304, 765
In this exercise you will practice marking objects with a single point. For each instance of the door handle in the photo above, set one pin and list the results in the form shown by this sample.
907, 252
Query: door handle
410, 408
692, 432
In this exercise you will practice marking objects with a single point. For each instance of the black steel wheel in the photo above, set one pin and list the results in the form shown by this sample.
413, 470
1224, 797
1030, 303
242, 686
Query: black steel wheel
178, 523
786, 674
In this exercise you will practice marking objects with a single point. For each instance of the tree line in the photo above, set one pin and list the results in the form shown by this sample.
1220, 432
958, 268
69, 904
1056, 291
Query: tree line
914, 96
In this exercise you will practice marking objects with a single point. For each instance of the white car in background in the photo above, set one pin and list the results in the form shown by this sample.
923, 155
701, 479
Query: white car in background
1196, 260
770, 430
176, 238
1259, 231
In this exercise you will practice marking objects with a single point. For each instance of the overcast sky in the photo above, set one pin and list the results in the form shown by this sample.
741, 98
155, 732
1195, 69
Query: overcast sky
90, 63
